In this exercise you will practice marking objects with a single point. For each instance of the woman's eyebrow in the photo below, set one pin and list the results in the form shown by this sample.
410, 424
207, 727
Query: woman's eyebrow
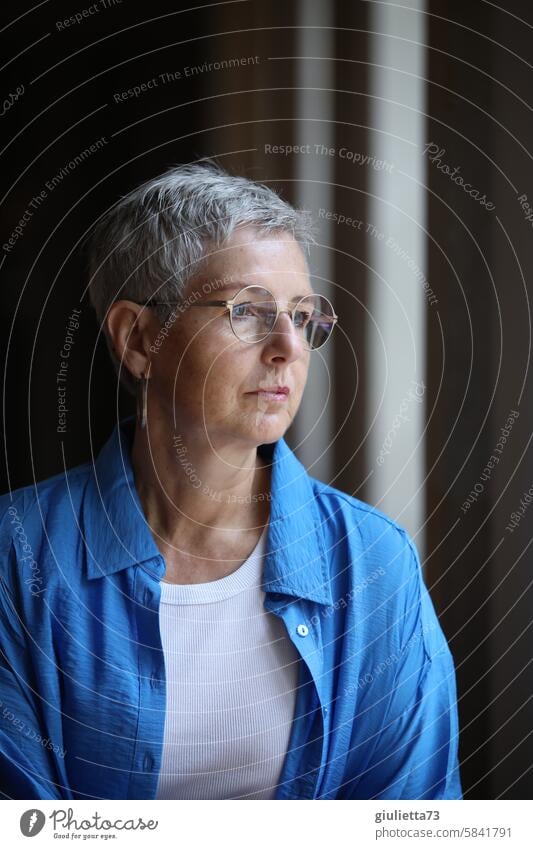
234, 287
229, 287
211, 287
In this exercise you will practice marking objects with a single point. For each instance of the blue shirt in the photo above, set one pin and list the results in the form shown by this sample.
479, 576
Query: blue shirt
82, 674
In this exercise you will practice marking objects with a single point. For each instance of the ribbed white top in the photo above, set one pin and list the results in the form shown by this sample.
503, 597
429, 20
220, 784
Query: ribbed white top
231, 673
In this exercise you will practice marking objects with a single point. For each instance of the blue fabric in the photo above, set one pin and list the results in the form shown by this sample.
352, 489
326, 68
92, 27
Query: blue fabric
82, 676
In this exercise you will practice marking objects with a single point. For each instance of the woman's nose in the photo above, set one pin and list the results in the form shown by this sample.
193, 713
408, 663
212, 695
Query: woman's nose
285, 336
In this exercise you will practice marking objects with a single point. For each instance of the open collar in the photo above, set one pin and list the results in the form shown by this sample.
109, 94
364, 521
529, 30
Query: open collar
117, 535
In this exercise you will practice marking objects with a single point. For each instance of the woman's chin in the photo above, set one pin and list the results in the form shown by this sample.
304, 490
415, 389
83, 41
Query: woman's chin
269, 427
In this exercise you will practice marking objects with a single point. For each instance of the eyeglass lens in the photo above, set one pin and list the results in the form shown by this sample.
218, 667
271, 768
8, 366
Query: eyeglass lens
254, 314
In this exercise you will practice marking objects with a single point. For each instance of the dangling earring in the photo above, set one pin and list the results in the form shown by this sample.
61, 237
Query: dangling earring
142, 398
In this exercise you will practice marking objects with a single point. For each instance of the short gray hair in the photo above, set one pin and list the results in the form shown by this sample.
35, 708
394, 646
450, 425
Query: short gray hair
154, 240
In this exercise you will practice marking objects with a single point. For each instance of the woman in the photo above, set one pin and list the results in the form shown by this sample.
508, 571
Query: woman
193, 615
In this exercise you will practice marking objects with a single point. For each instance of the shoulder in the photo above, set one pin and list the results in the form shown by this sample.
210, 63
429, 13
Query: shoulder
370, 555
24, 500
360, 525
34, 514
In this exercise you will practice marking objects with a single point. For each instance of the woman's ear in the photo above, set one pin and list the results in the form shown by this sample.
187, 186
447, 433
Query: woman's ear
130, 328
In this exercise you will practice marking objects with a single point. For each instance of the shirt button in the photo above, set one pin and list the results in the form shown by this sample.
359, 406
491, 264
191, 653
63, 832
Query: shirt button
302, 630
148, 762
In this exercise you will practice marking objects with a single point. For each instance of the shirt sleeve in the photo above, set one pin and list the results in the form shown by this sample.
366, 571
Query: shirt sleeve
28, 757
415, 752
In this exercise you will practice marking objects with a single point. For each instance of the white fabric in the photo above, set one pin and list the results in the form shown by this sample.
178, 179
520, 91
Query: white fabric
231, 672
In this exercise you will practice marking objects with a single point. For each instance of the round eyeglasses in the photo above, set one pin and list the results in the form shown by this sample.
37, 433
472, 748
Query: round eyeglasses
253, 312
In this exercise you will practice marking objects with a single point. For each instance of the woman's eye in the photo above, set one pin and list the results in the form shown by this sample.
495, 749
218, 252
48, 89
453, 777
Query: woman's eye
301, 318
242, 311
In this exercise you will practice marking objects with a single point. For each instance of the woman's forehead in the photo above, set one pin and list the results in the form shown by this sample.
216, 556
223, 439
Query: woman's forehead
276, 262
249, 247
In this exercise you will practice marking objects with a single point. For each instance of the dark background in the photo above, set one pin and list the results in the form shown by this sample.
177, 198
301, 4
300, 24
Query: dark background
479, 106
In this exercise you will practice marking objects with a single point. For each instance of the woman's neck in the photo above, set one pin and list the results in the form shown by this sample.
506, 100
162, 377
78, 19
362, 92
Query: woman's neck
194, 494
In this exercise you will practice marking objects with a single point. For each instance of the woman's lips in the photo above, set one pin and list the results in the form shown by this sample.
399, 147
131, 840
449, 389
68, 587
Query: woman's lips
280, 393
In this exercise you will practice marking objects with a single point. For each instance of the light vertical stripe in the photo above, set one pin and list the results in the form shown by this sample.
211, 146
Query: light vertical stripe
314, 426
396, 333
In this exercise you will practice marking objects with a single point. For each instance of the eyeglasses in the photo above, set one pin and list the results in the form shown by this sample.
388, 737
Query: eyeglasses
253, 312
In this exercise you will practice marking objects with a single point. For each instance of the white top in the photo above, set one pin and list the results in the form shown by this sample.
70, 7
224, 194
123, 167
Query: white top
231, 673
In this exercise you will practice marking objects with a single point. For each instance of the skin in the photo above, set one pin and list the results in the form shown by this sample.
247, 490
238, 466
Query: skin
204, 490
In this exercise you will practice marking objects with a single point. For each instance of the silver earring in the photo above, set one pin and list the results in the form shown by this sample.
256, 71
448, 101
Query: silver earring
142, 399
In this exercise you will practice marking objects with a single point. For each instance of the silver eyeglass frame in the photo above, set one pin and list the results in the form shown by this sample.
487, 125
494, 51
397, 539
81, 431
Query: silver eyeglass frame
229, 303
